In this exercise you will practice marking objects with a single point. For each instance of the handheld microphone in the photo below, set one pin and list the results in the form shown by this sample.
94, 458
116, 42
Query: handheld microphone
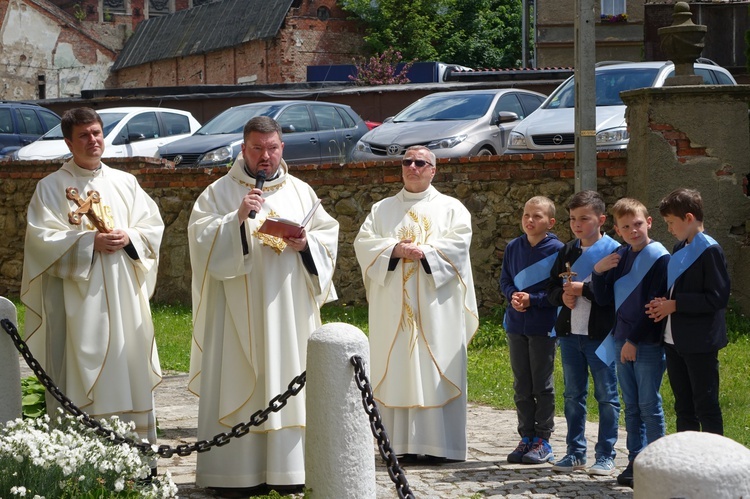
260, 179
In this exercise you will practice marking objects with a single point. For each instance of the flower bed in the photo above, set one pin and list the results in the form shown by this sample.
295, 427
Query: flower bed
614, 19
41, 460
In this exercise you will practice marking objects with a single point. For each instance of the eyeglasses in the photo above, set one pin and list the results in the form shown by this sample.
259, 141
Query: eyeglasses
420, 163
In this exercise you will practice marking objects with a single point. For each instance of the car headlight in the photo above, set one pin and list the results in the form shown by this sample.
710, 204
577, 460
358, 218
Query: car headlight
612, 136
447, 143
220, 156
363, 147
516, 140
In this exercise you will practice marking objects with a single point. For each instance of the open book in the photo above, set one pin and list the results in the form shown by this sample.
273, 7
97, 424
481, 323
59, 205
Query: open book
281, 227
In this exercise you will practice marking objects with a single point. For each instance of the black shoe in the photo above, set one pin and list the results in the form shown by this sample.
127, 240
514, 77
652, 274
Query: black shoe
626, 477
240, 492
440, 460
407, 458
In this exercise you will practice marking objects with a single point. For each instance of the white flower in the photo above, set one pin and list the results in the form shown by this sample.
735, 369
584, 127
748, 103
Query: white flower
18, 491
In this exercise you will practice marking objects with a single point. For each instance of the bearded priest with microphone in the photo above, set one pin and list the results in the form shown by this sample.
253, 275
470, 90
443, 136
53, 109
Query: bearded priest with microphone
256, 300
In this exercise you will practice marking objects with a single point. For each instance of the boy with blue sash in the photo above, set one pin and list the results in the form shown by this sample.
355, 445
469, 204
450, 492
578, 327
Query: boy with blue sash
581, 326
631, 277
693, 314
529, 320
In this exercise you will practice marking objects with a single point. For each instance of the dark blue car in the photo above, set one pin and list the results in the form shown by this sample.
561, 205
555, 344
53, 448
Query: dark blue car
313, 133
22, 124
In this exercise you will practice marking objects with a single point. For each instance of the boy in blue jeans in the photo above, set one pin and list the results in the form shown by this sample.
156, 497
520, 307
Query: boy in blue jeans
529, 320
630, 278
581, 326
692, 313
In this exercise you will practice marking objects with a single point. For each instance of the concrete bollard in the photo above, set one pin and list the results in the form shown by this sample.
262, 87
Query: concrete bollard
10, 372
339, 446
692, 464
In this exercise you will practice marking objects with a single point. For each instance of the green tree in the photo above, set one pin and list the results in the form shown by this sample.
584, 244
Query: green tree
477, 33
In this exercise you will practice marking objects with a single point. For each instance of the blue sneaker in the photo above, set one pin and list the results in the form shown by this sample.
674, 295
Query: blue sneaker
523, 447
569, 463
540, 452
602, 466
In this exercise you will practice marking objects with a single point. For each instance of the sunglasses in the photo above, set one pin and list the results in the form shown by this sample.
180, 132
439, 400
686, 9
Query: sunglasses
420, 163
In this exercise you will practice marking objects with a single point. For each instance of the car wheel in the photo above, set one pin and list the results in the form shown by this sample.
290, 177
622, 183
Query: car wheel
485, 152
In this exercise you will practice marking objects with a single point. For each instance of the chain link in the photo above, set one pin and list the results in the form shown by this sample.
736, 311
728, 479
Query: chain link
276, 404
166, 451
378, 430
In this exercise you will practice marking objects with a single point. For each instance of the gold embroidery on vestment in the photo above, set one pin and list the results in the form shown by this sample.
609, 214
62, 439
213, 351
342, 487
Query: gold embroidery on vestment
275, 243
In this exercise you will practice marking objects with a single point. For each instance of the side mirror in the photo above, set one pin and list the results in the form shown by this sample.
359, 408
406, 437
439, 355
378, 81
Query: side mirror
288, 129
505, 117
135, 137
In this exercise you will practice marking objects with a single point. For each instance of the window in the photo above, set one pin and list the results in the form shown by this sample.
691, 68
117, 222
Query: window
348, 120
50, 120
29, 122
328, 118
509, 102
160, 7
175, 124
143, 126
298, 117
6, 120
613, 7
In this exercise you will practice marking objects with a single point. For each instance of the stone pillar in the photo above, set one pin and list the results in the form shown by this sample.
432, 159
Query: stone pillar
10, 373
339, 446
692, 464
696, 137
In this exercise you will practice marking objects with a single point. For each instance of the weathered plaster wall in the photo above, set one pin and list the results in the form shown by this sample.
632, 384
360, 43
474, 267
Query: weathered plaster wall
50, 43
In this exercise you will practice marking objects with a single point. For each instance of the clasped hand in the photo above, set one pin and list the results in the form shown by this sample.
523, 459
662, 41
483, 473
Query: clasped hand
111, 241
408, 250
571, 291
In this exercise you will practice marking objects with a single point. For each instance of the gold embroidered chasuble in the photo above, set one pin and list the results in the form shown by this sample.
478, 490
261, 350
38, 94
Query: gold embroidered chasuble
88, 319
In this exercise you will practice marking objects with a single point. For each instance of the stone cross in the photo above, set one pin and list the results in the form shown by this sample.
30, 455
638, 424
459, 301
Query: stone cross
10, 372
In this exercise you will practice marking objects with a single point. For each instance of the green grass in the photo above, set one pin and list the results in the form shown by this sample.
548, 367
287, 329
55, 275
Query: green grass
489, 376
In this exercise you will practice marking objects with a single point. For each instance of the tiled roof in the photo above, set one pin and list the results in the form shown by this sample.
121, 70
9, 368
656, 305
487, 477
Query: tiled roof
206, 28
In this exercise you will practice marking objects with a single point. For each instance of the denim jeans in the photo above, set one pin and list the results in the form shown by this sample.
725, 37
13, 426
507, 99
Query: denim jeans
578, 355
640, 382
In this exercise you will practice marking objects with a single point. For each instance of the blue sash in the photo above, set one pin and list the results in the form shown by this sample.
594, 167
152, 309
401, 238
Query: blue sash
533, 274
624, 287
584, 266
685, 257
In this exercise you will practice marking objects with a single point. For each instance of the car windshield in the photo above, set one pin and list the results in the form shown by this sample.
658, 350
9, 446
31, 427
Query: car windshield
446, 107
110, 120
233, 120
609, 84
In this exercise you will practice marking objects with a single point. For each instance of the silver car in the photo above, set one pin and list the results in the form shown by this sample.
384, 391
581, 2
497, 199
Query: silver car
451, 124
552, 126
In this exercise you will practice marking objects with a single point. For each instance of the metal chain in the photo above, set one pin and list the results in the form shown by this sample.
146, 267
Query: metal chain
378, 430
239, 430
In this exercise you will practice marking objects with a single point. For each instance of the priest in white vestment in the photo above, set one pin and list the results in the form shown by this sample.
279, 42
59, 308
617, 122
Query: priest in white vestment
256, 300
86, 291
413, 250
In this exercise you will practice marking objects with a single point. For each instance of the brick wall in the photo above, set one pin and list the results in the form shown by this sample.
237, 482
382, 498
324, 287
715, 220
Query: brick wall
493, 189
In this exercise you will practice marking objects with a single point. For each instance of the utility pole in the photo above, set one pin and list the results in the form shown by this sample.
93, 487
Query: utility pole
585, 95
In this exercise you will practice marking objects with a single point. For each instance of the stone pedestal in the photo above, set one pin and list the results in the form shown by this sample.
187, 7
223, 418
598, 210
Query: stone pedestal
339, 446
692, 465
695, 137
10, 373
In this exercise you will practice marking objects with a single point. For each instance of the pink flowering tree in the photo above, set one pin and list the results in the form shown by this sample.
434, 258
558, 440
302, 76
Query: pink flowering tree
382, 69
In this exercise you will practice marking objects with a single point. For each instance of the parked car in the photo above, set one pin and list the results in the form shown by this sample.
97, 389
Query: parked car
451, 124
552, 126
128, 131
22, 124
313, 133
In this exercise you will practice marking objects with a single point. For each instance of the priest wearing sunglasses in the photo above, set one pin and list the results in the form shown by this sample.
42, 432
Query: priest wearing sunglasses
413, 250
